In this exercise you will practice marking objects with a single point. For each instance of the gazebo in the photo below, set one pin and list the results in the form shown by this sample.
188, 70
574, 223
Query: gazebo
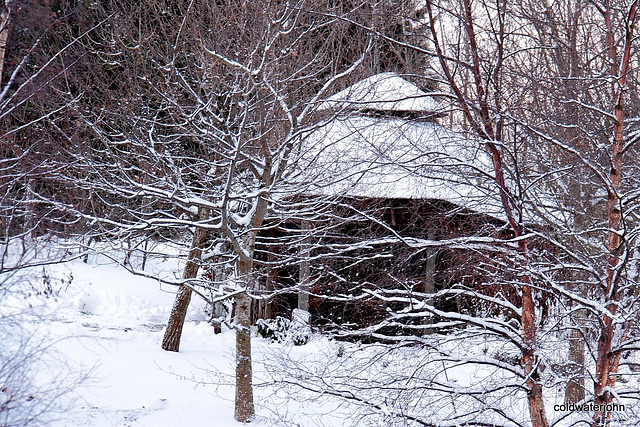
396, 183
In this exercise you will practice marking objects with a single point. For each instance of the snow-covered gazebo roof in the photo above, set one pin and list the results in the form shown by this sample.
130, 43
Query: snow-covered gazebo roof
384, 92
396, 158
355, 154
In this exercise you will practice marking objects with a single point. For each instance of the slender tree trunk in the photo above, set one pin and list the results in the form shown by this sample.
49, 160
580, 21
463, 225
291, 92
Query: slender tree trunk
31, 209
5, 20
575, 391
127, 253
529, 362
271, 280
173, 333
430, 273
216, 309
144, 253
303, 294
483, 125
607, 360
244, 409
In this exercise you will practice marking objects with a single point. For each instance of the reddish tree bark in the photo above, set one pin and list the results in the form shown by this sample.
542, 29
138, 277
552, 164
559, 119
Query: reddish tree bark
608, 359
483, 126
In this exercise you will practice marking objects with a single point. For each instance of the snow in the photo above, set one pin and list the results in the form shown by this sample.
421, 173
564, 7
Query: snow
110, 323
383, 92
355, 154
143, 385
396, 158
113, 321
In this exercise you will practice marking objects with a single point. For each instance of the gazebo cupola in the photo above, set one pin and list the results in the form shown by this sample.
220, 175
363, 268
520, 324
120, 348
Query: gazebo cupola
385, 94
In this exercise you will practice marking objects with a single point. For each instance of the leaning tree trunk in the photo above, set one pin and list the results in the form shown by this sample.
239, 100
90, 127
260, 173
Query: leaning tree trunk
171, 340
244, 409
481, 119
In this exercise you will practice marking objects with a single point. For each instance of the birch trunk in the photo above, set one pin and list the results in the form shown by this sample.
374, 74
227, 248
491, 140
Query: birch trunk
5, 19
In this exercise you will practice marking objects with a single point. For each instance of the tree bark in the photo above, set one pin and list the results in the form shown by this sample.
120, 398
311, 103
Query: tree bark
529, 359
303, 294
244, 409
216, 309
483, 125
173, 333
272, 278
575, 391
5, 20
607, 360
245, 250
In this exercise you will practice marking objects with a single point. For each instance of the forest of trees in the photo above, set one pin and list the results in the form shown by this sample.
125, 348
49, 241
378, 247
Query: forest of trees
186, 121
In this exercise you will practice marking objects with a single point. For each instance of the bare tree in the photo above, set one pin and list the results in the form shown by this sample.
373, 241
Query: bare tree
213, 147
217, 158
526, 80
37, 383
600, 141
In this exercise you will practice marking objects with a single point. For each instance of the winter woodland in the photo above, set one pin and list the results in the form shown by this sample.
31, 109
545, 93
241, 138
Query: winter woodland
386, 212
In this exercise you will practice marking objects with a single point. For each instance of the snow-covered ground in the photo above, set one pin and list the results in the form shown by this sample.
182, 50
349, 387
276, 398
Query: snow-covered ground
110, 323
98, 320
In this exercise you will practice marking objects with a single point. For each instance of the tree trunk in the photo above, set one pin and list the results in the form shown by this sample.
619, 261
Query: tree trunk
216, 309
171, 340
144, 253
483, 125
127, 253
608, 360
217, 314
529, 362
303, 294
244, 410
429, 275
271, 280
575, 391
5, 19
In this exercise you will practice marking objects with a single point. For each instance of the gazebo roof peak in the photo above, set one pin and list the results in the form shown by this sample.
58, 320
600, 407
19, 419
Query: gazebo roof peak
384, 92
